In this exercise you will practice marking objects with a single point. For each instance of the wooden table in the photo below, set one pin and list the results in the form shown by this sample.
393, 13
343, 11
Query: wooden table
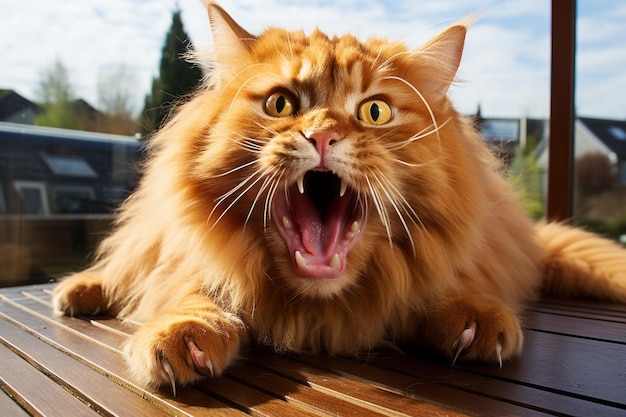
574, 363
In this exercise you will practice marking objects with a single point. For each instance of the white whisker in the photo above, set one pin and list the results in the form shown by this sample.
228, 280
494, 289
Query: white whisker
427, 131
223, 198
382, 66
242, 166
268, 129
241, 86
419, 94
249, 144
400, 205
293, 57
267, 213
400, 161
397, 210
266, 182
379, 205
258, 142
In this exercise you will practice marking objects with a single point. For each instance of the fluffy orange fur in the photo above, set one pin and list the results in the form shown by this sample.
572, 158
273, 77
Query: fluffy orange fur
432, 246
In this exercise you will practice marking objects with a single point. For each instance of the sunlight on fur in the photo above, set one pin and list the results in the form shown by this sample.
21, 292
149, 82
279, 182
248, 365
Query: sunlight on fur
322, 195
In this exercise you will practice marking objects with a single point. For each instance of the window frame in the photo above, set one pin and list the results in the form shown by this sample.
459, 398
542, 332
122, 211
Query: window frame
562, 112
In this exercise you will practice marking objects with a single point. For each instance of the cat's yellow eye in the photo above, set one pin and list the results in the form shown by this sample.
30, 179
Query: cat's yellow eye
375, 112
281, 104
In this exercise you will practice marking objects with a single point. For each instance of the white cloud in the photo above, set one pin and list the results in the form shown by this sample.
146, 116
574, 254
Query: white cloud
600, 61
505, 67
87, 36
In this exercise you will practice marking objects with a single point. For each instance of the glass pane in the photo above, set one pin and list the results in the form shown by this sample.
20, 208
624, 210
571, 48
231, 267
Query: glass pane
59, 188
600, 131
71, 181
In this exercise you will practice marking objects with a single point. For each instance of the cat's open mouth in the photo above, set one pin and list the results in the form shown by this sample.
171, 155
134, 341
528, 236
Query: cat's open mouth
319, 218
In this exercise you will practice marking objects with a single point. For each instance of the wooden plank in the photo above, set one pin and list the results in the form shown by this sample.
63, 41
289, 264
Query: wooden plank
36, 392
81, 327
396, 391
302, 395
479, 394
485, 381
581, 312
578, 304
251, 400
572, 367
8, 405
576, 326
104, 395
110, 363
441, 385
107, 361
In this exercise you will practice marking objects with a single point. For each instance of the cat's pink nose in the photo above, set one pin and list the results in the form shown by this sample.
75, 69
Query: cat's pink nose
323, 141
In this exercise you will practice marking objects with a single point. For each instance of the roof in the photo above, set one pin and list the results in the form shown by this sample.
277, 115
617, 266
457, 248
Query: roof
11, 103
611, 133
55, 132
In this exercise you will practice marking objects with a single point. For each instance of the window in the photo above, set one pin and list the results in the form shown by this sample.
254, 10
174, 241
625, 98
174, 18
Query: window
33, 197
73, 199
599, 191
69, 166
83, 176
617, 132
497, 130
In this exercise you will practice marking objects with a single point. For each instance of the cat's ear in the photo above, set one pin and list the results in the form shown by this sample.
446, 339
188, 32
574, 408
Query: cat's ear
231, 42
444, 52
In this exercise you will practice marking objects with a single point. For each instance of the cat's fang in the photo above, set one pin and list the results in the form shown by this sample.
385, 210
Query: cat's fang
344, 187
300, 183
334, 262
354, 227
300, 261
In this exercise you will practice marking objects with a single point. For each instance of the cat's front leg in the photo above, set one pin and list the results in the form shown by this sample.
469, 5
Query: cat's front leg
184, 346
80, 295
473, 326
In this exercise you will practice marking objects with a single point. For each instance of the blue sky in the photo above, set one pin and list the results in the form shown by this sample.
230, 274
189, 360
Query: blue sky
505, 67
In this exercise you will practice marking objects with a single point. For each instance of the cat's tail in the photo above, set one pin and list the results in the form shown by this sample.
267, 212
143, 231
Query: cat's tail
582, 264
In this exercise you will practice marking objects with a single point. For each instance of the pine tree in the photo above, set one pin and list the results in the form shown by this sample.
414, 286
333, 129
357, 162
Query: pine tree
176, 76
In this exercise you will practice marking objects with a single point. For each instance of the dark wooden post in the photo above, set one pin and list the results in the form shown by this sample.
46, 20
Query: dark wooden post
561, 145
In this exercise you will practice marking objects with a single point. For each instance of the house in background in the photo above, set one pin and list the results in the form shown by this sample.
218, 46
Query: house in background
16, 109
608, 137
505, 135
598, 137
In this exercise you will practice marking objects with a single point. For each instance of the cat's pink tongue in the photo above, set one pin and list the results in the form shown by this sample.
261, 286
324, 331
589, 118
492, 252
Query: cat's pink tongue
317, 242
319, 237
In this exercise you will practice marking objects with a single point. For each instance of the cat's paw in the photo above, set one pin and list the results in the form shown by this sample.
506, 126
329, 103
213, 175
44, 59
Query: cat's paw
179, 350
475, 328
79, 294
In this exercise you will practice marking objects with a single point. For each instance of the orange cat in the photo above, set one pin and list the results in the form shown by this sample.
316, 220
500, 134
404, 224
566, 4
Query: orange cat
322, 195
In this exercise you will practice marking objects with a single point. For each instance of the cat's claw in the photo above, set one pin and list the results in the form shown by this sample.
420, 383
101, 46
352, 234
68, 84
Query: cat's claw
499, 353
167, 368
464, 341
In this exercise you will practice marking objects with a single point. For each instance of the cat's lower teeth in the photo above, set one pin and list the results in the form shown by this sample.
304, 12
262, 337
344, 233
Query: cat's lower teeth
354, 227
300, 261
287, 224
